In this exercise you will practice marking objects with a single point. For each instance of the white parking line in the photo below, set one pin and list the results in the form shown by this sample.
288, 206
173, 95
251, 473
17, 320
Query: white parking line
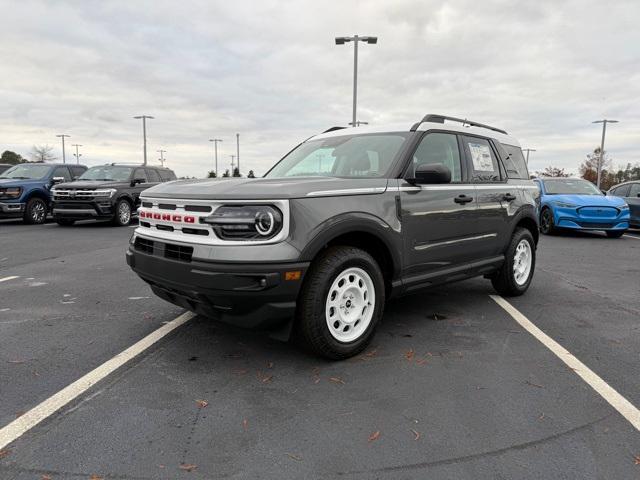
25, 422
617, 401
6, 279
631, 236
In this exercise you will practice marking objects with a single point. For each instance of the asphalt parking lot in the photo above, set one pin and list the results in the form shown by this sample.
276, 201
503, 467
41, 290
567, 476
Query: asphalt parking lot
452, 386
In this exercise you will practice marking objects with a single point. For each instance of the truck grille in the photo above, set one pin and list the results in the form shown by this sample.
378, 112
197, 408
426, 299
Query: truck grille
167, 250
72, 194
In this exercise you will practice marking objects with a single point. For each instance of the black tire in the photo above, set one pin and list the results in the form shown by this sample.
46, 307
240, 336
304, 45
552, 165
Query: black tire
547, 226
65, 222
35, 212
615, 233
312, 327
120, 217
505, 281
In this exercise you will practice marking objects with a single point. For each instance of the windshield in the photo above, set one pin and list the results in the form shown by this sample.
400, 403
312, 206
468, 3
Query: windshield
107, 173
570, 186
369, 155
27, 171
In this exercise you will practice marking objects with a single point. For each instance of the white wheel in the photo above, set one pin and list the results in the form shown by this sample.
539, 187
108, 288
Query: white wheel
522, 261
350, 304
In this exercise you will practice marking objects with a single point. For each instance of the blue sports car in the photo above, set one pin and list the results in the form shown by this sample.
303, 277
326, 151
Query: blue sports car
574, 203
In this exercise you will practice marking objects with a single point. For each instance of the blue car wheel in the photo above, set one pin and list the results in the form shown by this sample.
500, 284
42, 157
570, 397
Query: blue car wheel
547, 225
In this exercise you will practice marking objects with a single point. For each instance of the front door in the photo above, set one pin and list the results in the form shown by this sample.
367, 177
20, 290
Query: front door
438, 221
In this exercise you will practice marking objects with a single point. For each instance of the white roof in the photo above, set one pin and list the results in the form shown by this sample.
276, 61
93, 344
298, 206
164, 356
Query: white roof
405, 127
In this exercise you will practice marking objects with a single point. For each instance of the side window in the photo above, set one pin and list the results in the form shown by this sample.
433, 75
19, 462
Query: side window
62, 172
515, 163
439, 148
634, 191
152, 173
484, 164
622, 191
140, 173
166, 175
77, 171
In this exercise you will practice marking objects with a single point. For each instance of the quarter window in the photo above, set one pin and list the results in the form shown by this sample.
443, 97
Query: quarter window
634, 191
166, 175
515, 163
153, 175
484, 164
439, 148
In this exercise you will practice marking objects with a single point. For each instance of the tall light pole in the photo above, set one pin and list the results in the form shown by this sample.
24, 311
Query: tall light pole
601, 156
62, 136
77, 154
215, 149
355, 39
528, 150
238, 151
232, 157
144, 132
161, 159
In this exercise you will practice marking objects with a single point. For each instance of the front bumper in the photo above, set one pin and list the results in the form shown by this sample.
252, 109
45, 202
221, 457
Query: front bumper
592, 218
11, 208
82, 210
245, 294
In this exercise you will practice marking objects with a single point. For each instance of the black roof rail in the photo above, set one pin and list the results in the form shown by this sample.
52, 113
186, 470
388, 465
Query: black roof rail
333, 129
441, 118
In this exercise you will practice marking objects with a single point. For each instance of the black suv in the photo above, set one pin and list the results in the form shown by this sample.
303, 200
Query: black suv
346, 220
107, 192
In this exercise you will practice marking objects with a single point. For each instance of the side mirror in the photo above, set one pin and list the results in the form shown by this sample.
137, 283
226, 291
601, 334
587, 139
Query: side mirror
136, 181
427, 173
57, 180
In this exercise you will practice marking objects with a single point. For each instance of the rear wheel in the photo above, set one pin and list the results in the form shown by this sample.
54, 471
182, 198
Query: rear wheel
546, 222
615, 233
340, 303
122, 217
65, 222
35, 212
514, 277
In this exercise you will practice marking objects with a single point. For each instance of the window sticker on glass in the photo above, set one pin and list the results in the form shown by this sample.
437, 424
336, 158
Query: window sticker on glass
481, 156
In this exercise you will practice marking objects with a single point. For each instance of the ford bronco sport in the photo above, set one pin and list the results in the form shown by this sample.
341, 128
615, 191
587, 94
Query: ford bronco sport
346, 220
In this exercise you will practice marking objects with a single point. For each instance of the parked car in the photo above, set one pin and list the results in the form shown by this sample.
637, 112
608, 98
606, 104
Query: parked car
630, 191
4, 167
25, 189
577, 204
107, 192
346, 220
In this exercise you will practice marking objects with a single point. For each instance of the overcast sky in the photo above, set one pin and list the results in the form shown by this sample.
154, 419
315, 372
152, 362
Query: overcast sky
543, 70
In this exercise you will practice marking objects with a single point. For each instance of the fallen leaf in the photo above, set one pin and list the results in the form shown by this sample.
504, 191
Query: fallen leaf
4, 452
270, 365
161, 466
533, 384
16, 361
316, 380
188, 467
96, 477
636, 459
245, 424
336, 380
45, 477
415, 434
266, 379
421, 361
541, 417
374, 436
409, 354
295, 457
202, 403
371, 353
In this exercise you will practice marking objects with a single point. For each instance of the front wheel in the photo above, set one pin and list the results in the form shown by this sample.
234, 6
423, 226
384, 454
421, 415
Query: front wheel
35, 212
615, 233
122, 217
546, 222
514, 277
340, 303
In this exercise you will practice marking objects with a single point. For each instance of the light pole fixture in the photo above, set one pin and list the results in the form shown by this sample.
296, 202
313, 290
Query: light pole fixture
77, 154
356, 39
528, 150
144, 132
215, 149
161, 159
62, 136
601, 156
358, 123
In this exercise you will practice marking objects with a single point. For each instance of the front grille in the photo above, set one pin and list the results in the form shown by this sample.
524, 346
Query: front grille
196, 208
73, 194
166, 250
598, 212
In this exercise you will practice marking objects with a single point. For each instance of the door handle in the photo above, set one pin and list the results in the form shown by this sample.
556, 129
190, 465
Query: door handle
507, 197
463, 199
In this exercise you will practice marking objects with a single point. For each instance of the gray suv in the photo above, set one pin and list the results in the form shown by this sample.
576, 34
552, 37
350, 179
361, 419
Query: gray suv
346, 220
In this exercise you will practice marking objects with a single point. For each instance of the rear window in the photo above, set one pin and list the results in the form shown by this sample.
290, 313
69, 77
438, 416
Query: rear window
514, 163
167, 175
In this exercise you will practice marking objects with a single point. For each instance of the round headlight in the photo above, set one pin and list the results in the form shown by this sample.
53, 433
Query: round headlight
265, 223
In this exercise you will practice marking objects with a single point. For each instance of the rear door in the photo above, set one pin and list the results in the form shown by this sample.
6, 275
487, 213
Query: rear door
139, 174
494, 195
437, 220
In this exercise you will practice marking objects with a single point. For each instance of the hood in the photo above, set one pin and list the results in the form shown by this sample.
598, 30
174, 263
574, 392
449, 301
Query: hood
17, 182
587, 200
90, 184
263, 188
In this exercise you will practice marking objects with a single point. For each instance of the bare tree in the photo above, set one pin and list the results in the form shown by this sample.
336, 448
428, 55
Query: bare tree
553, 172
42, 153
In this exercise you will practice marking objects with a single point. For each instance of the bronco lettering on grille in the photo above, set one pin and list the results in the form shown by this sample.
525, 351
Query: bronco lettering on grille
167, 217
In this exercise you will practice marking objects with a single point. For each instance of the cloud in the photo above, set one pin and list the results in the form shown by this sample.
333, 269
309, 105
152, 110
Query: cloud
270, 70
